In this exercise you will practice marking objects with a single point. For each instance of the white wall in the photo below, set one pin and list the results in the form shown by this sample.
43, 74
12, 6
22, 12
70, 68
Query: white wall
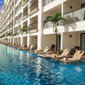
15, 40
66, 6
25, 40
80, 2
73, 41
11, 40
19, 40
53, 4
33, 40
69, 42
48, 40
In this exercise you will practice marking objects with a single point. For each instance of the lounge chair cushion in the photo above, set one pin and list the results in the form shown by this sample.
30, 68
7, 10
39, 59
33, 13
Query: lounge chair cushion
65, 59
66, 49
53, 56
79, 51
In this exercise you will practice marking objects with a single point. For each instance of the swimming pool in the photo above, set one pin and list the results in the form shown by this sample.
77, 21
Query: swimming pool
19, 67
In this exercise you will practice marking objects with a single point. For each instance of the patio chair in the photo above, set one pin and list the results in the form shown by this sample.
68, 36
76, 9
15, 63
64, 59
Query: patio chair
76, 57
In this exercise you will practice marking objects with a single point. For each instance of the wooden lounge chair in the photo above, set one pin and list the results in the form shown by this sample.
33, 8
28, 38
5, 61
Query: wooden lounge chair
13, 44
45, 51
31, 47
76, 57
17, 45
64, 54
38, 50
21, 47
27, 48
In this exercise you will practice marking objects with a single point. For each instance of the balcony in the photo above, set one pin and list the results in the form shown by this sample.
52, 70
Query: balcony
16, 1
34, 27
24, 2
18, 9
11, 25
74, 16
10, 2
18, 21
34, 8
12, 7
50, 24
25, 14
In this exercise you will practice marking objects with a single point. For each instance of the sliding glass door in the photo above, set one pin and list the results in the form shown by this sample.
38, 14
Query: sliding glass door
83, 41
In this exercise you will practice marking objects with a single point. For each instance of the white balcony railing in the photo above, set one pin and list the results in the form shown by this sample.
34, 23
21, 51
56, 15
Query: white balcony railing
50, 24
48, 1
77, 15
18, 21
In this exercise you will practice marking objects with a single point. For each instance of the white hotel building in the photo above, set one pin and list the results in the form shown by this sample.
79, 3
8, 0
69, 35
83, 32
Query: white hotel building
17, 14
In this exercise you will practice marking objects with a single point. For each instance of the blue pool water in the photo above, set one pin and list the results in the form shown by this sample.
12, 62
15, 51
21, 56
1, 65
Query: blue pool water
18, 67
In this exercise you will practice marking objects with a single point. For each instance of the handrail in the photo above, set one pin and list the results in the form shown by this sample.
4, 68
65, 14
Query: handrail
24, 27
25, 11
25, 0
74, 10
33, 23
33, 4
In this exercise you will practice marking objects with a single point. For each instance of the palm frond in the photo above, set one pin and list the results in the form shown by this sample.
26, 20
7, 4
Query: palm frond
58, 15
49, 17
64, 20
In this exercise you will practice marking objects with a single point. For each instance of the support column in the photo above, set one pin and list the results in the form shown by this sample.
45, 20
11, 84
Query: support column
21, 40
40, 23
10, 40
62, 40
28, 39
13, 39
28, 35
62, 9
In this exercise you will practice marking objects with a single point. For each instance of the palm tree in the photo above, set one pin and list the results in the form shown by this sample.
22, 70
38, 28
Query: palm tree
54, 19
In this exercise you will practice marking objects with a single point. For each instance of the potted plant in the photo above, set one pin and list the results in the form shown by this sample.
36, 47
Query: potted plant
6, 38
8, 34
15, 34
59, 52
24, 30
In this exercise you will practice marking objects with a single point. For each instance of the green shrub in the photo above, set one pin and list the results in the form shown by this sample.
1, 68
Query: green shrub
8, 34
6, 39
2, 36
15, 34
58, 52
61, 51
24, 29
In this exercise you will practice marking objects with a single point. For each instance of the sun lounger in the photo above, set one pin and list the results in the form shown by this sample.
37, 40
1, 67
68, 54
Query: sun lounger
76, 57
45, 51
31, 47
64, 54
27, 48
21, 47
38, 50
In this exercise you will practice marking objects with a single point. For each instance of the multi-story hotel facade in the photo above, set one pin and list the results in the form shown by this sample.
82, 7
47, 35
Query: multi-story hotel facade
18, 14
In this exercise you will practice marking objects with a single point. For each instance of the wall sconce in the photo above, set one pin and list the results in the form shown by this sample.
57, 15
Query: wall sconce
70, 7
70, 36
35, 37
